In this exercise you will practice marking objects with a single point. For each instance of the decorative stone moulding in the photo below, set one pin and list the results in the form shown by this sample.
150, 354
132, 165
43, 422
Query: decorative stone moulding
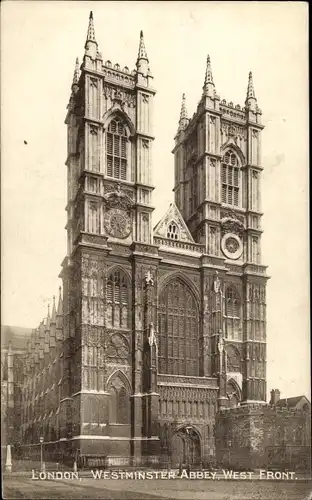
232, 246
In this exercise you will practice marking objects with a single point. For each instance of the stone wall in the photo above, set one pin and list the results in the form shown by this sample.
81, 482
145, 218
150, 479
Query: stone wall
261, 436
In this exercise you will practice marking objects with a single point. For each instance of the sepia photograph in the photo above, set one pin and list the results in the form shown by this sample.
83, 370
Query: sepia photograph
155, 327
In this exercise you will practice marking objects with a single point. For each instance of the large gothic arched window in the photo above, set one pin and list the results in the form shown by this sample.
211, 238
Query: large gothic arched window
230, 178
116, 150
117, 300
178, 351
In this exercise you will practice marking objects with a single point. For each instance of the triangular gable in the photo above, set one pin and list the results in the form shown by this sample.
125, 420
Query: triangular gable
173, 215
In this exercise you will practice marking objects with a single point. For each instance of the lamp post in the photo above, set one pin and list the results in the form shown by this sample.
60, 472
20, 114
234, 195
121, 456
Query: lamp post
229, 444
41, 454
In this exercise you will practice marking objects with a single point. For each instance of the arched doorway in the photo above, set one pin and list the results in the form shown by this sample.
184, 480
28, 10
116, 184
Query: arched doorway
185, 447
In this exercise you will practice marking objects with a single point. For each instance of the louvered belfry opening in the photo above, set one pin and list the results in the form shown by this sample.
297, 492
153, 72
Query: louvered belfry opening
116, 150
230, 178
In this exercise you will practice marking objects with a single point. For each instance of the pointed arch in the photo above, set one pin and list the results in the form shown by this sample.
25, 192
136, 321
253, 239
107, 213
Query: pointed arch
178, 275
118, 267
178, 327
121, 376
234, 392
118, 113
182, 427
230, 144
119, 388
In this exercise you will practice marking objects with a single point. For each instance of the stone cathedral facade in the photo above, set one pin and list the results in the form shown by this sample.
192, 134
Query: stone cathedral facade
158, 328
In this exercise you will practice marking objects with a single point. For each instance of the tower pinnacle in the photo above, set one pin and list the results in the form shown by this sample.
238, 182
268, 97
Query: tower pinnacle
91, 33
209, 86
250, 88
76, 73
183, 122
142, 60
142, 50
251, 101
91, 46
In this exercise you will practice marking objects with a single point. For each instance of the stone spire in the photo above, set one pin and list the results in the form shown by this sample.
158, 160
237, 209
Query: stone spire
91, 46
142, 60
251, 101
250, 88
91, 33
183, 122
209, 86
76, 74
142, 50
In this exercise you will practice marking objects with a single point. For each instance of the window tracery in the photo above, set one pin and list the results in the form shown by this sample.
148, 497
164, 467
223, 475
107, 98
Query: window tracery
178, 330
230, 178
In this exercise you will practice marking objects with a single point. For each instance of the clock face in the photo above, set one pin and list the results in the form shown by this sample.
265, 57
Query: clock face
232, 246
117, 223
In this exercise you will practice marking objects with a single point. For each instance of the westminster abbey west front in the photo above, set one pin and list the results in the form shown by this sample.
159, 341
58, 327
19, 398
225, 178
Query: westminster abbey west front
159, 328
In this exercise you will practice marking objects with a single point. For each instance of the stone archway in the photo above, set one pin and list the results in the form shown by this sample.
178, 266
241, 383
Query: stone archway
185, 447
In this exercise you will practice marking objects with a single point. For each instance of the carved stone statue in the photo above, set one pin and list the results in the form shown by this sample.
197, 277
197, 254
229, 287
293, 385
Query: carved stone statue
221, 344
152, 335
149, 280
217, 283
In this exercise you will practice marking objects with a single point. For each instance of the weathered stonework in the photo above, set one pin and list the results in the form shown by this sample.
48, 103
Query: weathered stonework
262, 436
156, 330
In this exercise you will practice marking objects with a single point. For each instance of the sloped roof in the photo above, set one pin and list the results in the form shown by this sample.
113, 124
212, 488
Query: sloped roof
290, 402
173, 214
18, 336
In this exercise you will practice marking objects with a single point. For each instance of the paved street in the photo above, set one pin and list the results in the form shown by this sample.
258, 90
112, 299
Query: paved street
23, 487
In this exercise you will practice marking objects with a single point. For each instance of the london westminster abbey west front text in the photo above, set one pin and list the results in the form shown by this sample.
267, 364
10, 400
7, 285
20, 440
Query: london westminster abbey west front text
164, 326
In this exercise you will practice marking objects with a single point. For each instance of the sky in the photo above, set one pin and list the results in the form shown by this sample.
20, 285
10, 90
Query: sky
40, 41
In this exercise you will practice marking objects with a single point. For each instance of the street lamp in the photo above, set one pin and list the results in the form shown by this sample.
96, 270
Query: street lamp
41, 454
229, 444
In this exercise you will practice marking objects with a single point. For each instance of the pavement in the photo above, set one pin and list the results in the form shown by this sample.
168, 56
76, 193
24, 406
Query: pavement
24, 487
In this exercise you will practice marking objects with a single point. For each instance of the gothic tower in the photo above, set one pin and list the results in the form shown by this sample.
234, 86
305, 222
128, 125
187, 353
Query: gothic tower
217, 190
106, 318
